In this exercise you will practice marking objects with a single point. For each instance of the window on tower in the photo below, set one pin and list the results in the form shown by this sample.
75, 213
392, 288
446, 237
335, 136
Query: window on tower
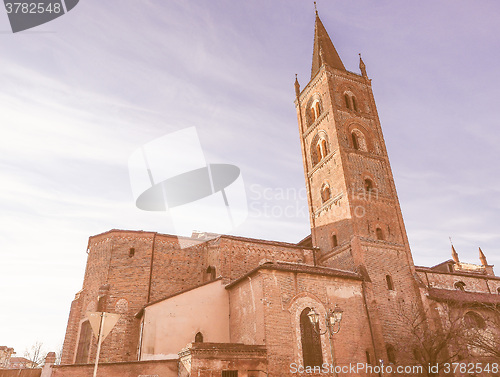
325, 193
358, 140
317, 108
354, 103
319, 147
313, 109
390, 284
335, 241
380, 234
347, 101
355, 143
318, 152
368, 185
324, 148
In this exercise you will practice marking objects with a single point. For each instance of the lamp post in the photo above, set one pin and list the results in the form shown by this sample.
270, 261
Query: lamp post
332, 322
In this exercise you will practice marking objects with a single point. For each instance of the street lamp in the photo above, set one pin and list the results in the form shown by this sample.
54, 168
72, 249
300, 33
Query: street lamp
332, 322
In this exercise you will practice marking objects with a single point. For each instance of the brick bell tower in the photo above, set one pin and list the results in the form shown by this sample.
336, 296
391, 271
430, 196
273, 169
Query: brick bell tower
355, 216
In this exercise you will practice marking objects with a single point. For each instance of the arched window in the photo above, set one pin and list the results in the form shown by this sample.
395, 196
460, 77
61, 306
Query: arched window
368, 185
380, 234
325, 193
317, 107
211, 273
319, 147
324, 148
368, 358
312, 115
347, 102
472, 320
101, 303
82, 353
498, 291
390, 284
354, 104
311, 341
358, 140
460, 285
391, 354
335, 241
355, 143
198, 338
318, 151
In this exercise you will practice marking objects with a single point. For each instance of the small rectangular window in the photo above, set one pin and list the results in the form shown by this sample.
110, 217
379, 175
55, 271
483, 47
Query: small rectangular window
131, 252
229, 373
390, 284
335, 242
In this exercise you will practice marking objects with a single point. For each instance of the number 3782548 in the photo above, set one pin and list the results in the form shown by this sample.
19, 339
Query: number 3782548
33, 8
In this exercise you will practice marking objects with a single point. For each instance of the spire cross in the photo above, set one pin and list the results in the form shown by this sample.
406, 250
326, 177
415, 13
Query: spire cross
315, 8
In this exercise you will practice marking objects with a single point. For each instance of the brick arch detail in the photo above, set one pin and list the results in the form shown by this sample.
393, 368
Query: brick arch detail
361, 98
295, 307
352, 125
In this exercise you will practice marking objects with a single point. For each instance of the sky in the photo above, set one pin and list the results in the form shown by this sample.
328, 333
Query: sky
80, 94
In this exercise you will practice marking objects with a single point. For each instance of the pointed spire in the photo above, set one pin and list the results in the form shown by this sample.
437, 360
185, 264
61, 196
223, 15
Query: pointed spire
454, 254
362, 66
297, 86
482, 258
323, 52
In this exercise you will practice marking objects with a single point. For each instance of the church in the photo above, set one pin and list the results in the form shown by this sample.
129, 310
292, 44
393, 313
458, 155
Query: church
346, 300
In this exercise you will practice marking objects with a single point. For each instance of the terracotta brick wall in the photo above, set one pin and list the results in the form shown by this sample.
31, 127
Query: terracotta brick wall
284, 295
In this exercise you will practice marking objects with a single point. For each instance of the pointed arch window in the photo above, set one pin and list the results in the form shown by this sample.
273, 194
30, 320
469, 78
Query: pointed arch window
82, 353
358, 140
380, 234
311, 341
312, 115
368, 185
317, 109
318, 152
319, 147
347, 102
324, 148
354, 103
198, 338
325, 193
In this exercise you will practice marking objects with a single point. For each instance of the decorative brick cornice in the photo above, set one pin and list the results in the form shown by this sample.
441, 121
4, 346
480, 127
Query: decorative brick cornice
223, 350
